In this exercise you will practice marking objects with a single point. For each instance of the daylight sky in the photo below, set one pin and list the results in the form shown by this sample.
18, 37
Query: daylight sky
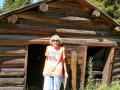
1, 2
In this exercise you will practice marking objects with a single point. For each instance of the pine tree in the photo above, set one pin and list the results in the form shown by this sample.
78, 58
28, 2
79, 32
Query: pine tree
9, 5
0, 10
111, 7
6, 5
20, 3
39, 0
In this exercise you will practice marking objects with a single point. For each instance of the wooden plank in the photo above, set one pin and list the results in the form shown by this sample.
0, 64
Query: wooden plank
37, 30
73, 69
117, 70
65, 12
116, 77
83, 67
91, 42
12, 51
17, 69
117, 48
25, 66
12, 81
116, 58
7, 74
11, 62
11, 88
68, 6
54, 25
116, 64
68, 48
81, 61
117, 52
79, 55
19, 40
108, 68
68, 20
97, 72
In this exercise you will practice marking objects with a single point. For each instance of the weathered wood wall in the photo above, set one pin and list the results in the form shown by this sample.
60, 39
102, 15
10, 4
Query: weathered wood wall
12, 71
116, 65
80, 63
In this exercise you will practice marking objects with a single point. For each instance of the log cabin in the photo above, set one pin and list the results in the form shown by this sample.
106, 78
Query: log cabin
85, 31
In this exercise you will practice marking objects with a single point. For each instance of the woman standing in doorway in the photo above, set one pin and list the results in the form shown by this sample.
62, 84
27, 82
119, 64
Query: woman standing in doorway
55, 61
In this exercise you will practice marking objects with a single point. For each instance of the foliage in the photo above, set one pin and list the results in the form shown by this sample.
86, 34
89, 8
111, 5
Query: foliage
0, 10
6, 5
90, 85
111, 7
9, 5
115, 85
39, 0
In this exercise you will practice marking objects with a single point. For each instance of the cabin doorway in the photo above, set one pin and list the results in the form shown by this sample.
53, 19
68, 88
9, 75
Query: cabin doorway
101, 56
36, 59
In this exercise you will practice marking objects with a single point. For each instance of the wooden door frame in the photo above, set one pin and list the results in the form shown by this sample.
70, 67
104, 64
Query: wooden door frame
25, 66
108, 67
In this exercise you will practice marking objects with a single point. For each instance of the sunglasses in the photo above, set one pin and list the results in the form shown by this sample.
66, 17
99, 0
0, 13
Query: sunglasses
55, 40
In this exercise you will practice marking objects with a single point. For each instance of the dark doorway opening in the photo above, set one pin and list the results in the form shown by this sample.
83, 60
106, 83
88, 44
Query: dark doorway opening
100, 56
36, 59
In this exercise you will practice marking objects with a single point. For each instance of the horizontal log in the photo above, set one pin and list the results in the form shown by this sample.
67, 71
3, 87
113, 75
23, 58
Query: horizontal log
18, 40
64, 12
116, 76
73, 31
68, 6
12, 51
116, 58
12, 81
117, 70
95, 72
68, 20
70, 48
116, 64
11, 88
11, 74
117, 52
20, 69
3, 20
45, 24
29, 31
32, 30
11, 62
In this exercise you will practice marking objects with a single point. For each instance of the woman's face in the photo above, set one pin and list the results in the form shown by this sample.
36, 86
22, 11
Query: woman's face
55, 43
